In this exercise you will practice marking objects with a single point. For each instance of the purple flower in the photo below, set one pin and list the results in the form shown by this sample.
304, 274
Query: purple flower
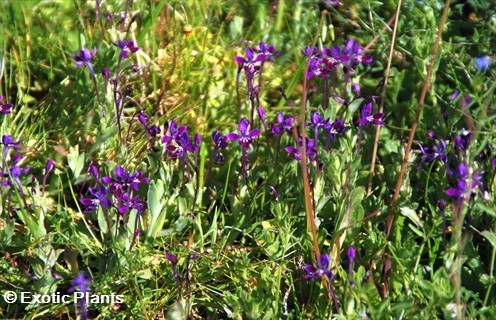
80, 283
322, 268
246, 137
282, 124
250, 63
180, 146
318, 122
84, 57
126, 47
261, 115
99, 196
274, 192
355, 87
461, 176
49, 166
267, 51
153, 131
466, 100
219, 140
482, 63
337, 127
454, 95
462, 142
430, 154
351, 253
295, 151
5, 108
106, 73
494, 162
368, 117
172, 258
10, 144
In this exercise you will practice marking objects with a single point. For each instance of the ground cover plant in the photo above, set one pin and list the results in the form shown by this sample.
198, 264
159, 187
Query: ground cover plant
247, 160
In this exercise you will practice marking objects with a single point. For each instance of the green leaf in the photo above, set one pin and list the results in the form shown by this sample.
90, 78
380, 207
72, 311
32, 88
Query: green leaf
490, 237
412, 215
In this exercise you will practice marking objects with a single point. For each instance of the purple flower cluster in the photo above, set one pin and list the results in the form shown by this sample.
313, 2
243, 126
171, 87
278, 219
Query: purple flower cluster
325, 62
295, 152
318, 123
177, 142
245, 138
80, 284
465, 179
116, 192
437, 151
254, 58
253, 63
11, 171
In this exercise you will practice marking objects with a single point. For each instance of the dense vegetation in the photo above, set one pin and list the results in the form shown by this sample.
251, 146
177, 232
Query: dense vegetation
248, 159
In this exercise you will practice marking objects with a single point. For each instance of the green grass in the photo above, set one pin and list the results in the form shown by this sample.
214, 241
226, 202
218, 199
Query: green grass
241, 248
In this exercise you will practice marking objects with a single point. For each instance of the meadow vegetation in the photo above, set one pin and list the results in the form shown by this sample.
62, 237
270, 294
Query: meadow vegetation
287, 159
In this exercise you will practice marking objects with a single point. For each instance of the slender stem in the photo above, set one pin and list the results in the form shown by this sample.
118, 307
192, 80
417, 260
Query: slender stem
420, 106
303, 162
399, 182
383, 96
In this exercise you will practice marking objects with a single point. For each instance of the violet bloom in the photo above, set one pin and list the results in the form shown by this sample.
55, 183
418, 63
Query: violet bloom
180, 147
220, 142
368, 117
245, 139
126, 47
318, 122
337, 127
466, 100
460, 174
5, 108
84, 57
482, 63
98, 197
250, 63
80, 284
282, 124
454, 95
295, 152
106, 73
267, 51
462, 141
430, 154
10, 144
461, 177
173, 260
246, 136
322, 268
14, 173
124, 182
355, 87
261, 115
